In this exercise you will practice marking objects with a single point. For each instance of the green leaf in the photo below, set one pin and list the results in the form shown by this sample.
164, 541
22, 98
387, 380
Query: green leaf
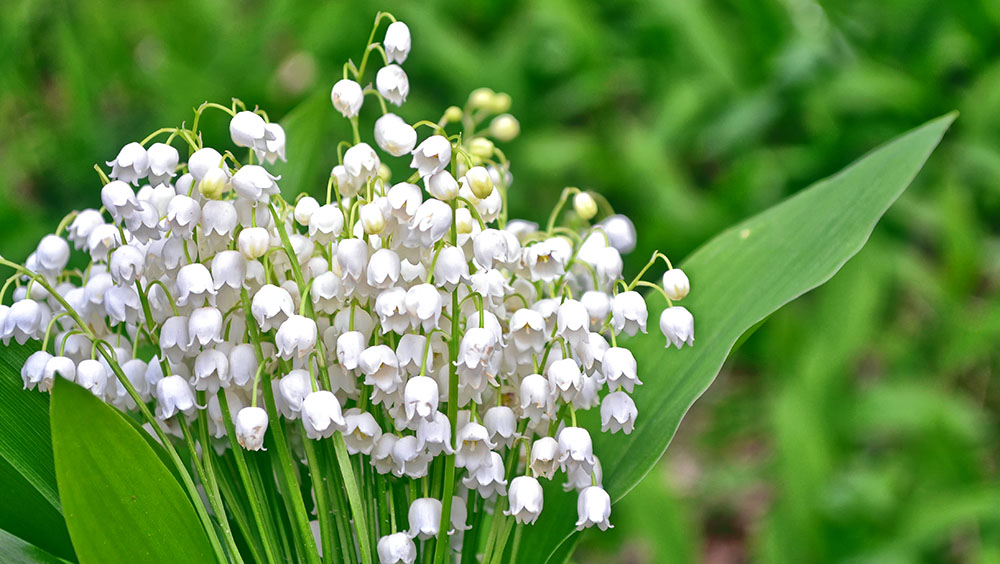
16, 551
31, 509
738, 279
121, 503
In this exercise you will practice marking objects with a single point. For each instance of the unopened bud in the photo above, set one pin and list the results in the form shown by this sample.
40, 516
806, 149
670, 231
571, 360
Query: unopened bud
481, 98
372, 219
481, 147
213, 185
584, 205
384, 173
479, 181
505, 127
453, 114
501, 103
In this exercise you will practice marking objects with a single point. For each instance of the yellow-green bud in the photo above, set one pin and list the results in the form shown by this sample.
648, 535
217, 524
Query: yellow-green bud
501, 103
505, 127
213, 185
481, 98
453, 114
584, 205
479, 181
481, 147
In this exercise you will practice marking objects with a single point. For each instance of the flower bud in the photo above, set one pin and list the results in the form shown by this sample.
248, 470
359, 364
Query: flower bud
347, 97
214, 184
676, 284
505, 127
479, 181
253, 242
453, 114
500, 103
620, 232
584, 205
251, 423
372, 219
481, 98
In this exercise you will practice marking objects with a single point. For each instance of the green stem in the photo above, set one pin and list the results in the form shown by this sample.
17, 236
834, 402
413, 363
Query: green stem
353, 497
322, 505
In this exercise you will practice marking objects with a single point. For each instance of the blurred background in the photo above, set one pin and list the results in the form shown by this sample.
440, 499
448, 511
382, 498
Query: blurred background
859, 424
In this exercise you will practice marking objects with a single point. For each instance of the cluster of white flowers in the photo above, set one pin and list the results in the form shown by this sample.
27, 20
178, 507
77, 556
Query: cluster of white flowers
412, 317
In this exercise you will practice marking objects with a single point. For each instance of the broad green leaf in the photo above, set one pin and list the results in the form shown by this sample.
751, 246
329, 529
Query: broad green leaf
121, 503
16, 551
738, 279
30, 508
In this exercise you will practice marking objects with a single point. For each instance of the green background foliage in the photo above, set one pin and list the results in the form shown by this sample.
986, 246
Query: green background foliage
859, 423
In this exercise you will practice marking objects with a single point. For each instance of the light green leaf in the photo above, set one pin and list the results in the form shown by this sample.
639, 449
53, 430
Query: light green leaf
16, 551
121, 503
31, 508
738, 278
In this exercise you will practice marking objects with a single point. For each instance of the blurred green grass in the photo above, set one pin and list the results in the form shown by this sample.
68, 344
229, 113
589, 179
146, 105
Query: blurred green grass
858, 424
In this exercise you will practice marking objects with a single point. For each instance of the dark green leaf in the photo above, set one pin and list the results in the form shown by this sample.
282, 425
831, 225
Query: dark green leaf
121, 503
16, 551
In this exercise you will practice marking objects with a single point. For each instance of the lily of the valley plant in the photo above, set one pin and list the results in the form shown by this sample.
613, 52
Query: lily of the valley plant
411, 360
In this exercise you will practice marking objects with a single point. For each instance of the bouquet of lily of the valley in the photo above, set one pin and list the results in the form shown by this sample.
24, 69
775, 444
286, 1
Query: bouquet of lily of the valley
389, 370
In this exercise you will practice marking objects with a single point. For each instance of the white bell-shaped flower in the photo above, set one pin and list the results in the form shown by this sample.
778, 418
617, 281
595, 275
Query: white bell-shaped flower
204, 327
255, 183
33, 370
52, 254
347, 97
102, 239
451, 268
352, 256
251, 424
397, 42
122, 304
423, 302
349, 347
579, 477
424, 517
291, 391
183, 214
326, 224
618, 368
229, 270
395, 136
119, 199
174, 338
81, 226
565, 379
211, 371
173, 395
618, 413
593, 508
92, 375
131, 165
573, 322
163, 161
474, 446
536, 397
271, 306
525, 499
546, 260
218, 222
544, 460
383, 268
62, 367
420, 397
488, 478
430, 224
381, 455
249, 129
396, 548
242, 364
127, 264
321, 415
598, 305
361, 162
501, 422
381, 368
393, 84
296, 337
434, 436
390, 305
408, 460
628, 313
194, 285
677, 325
576, 449
361, 431
431, 155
